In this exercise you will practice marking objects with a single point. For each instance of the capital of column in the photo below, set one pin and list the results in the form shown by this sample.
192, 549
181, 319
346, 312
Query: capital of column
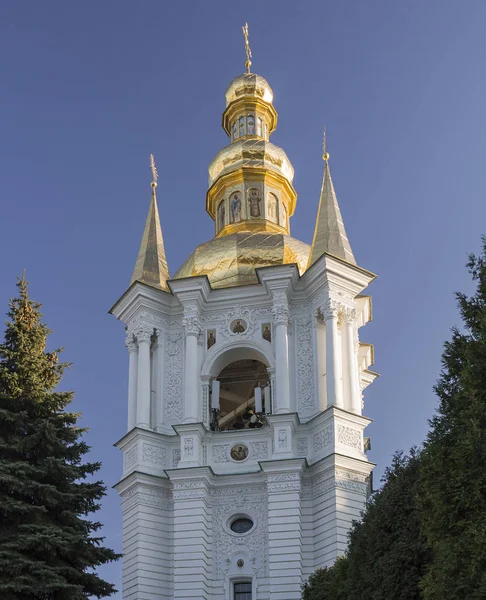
330, 309
350, 315
280, 310
143, 333
131, 343
158, 333
192, 325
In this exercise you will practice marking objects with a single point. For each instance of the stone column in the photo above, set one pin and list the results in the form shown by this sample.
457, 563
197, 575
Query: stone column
158, 376
143, 334
192, 329
353, 383
320, 328
280, 314
333, 357
132, 348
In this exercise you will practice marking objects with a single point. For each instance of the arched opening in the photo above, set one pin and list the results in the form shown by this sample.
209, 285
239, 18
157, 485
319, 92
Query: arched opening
240, 395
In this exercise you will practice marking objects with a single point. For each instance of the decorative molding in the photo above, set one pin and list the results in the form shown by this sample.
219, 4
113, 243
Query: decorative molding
143, 496
131, 343
205, 403
249, 315
330, 309
188, 447
173, 406
154, 454
258, 450
302, 447
130, 458
348, 436
247, 500
220, 453
143, 332
176, 457
192, 325
322, 439
282, 437
305, 364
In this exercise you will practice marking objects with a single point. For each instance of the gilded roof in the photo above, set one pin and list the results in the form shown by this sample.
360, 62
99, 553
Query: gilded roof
249, 85
255, 153
231, 260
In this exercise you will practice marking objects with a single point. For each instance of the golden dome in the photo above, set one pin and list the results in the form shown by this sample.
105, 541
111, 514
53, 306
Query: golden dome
231, 260
250, 152
249, 85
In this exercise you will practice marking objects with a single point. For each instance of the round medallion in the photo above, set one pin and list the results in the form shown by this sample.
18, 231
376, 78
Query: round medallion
239, 452
238, 326
241, 525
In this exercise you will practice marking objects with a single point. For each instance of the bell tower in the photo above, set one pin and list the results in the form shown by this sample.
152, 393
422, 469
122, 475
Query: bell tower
244, 460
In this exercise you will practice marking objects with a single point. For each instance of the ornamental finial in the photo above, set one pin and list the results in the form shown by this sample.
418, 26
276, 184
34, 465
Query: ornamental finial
247, 48
325, 153
155, 175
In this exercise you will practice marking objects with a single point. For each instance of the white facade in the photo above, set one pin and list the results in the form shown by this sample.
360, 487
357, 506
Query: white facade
306, 476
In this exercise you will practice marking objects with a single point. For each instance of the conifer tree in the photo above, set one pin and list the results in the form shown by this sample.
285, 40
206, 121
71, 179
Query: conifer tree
453, 472
49, 548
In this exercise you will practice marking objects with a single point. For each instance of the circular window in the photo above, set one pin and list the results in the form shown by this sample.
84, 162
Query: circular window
241, 525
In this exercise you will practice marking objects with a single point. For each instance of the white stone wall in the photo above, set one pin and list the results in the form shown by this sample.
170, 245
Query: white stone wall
306, 475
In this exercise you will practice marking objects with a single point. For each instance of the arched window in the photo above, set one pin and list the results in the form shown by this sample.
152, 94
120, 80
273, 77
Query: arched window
221, 215
244, 396
254, 203
235, 207
250, 125
272, 208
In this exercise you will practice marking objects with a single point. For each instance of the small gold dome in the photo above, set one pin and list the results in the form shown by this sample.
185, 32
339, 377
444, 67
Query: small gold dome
250, 152
249, 85
231, 260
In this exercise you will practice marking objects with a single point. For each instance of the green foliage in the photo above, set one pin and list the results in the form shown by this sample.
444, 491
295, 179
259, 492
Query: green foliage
423, 535
48, 544
330, 583
387, 554
453, 470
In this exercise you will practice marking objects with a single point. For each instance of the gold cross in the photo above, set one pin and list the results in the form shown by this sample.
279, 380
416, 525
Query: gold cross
155, 175
247, 48
325, 153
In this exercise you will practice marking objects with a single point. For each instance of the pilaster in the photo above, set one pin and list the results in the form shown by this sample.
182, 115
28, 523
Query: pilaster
192, 534
284, 485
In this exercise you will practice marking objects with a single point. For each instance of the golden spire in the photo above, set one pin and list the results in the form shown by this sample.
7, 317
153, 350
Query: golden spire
329, 234
247, 48
151, 266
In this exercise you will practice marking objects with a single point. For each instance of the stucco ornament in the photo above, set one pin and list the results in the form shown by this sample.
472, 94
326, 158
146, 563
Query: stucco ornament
173, 378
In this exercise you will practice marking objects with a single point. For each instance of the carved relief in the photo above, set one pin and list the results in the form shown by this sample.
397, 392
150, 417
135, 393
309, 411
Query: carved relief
258, 450
251, 501
302, 447
130, 458
240, 322
153, 454
349, 437
173, 378
220, 453
176, 457
188, 447
305, 364
282, 438
155, 498
322, 439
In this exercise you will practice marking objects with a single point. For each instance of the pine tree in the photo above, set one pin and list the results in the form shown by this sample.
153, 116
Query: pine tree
48, 544
453, 472
387, 555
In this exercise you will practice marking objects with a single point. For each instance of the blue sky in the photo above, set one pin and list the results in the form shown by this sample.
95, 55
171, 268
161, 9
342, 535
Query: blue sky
89, 89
